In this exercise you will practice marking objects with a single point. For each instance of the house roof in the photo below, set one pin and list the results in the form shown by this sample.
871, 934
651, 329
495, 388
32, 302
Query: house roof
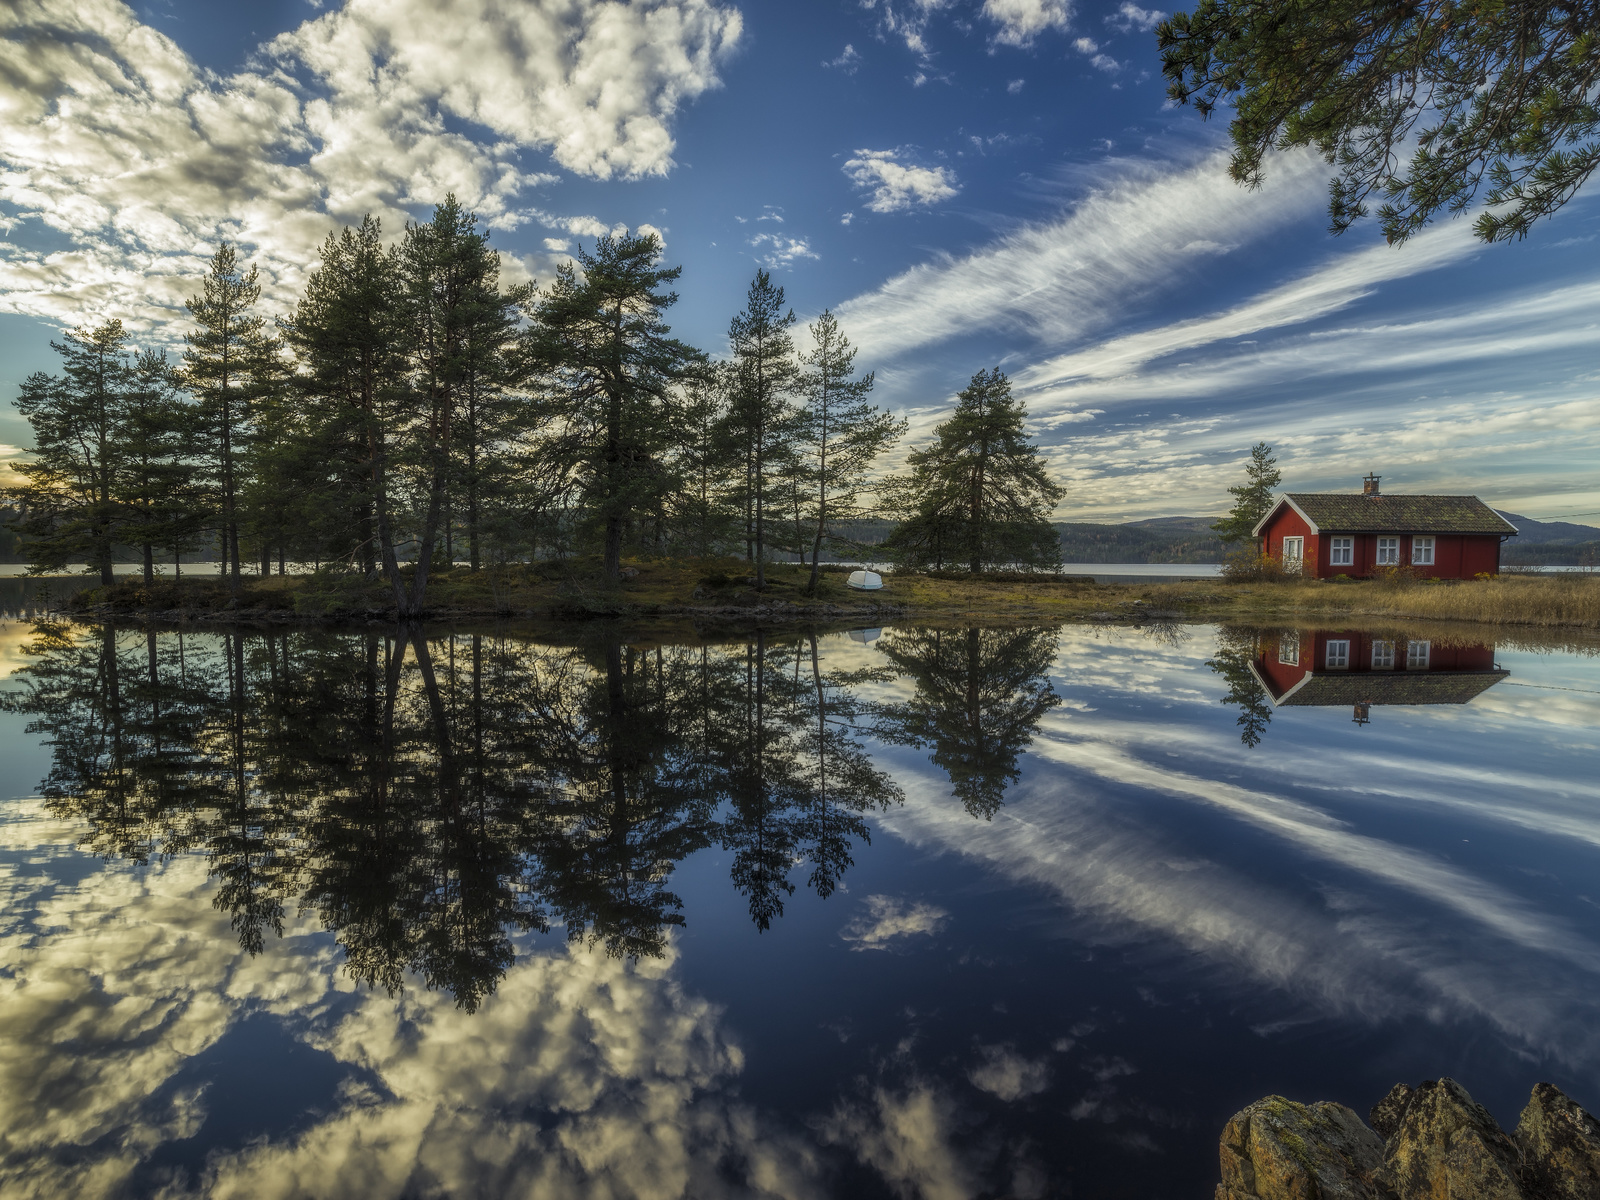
1385, 687
1347, 512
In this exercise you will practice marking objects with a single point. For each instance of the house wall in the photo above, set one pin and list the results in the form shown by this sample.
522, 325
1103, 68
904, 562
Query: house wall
1455, 556
1288, 523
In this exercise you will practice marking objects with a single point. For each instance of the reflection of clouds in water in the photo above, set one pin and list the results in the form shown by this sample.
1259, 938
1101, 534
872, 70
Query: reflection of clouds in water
111, 986
1007, 1075
14, 635
887, 919
585, 1075
1348, 951
906, 1135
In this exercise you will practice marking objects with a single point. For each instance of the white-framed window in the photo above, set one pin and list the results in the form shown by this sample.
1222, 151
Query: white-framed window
1382, 656
1417, 655
1388, 552
1338, 656
1342, 552
1289, 649
1422, 552
1293, 551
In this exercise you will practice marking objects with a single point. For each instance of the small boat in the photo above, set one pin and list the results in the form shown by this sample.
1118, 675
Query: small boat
865, 636
865, 581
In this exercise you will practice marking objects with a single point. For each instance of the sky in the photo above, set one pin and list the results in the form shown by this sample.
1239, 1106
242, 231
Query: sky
965, 183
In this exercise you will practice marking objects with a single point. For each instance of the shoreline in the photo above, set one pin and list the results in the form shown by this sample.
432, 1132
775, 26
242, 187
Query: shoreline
709, 593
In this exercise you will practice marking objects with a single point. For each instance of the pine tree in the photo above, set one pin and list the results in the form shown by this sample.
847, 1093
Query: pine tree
761, 418
79, 419
221, 367
464, 328
1252, 499
612, 372
841, 434
349, 332
152, 485
979, 494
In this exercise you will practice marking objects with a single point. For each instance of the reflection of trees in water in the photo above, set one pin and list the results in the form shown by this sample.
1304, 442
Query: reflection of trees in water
1236, 647
429, 796
980, 696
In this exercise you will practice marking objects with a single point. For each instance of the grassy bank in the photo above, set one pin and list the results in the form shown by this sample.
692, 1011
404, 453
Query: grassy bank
721, 589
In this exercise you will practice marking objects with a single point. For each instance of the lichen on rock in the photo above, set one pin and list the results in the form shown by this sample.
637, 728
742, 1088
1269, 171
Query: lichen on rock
1560, 1145
1433, 1142
1278, 1149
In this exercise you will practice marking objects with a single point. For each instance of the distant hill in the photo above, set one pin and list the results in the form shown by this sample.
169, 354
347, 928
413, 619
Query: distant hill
1550, 543
1156, 540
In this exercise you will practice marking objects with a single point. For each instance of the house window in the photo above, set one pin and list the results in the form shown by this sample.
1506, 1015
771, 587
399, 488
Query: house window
1382, 656
1417, 655
1389, 552
1342, 552
1293, 549
1422, 552
1338, 655
1289, 649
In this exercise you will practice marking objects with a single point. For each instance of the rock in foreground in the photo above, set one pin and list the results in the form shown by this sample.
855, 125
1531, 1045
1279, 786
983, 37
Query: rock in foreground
1432, 1142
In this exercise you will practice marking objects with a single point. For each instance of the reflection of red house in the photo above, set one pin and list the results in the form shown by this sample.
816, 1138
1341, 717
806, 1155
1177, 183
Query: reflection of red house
1440, 537
1355, 669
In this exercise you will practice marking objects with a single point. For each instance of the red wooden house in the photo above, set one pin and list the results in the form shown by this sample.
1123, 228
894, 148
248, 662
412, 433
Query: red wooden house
1440, 537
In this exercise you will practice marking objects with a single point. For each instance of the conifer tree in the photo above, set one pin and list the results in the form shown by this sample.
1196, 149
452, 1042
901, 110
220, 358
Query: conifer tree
612, 371
79, 418
1252, 499
348, 333
221, 367
153, 483
761, 418
463, 337
979, 494
840, 432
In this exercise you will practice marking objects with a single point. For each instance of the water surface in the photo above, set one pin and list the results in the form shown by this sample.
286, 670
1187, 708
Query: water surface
940, 912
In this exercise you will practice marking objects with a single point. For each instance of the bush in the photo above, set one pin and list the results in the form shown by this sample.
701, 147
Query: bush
1396, 578
1250, 564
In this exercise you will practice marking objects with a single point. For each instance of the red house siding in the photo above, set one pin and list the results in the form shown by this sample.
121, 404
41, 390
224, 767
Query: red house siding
1311, 648
1455, 556
1289, 523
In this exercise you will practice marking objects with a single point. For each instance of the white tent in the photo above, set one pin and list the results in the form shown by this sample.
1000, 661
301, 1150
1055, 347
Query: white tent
865, 581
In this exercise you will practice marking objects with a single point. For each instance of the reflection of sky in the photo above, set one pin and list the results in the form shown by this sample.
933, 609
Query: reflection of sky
1159, 925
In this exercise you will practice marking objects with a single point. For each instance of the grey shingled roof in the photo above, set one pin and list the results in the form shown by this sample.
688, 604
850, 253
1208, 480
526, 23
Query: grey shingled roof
1393, 687
1344, 512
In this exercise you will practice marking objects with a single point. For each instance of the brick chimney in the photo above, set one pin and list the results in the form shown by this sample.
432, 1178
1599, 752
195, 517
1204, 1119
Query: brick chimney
1369, 486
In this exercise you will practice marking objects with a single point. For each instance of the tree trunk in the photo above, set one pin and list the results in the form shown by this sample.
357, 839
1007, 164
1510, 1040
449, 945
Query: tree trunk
149, 564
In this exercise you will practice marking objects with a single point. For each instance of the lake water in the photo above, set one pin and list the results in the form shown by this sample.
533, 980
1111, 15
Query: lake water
938, 912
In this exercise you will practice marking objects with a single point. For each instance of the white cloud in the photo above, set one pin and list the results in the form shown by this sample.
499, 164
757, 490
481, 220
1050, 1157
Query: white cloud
1057, 281
557, 245
849, 60
114, 138
1085, 45
778, 251
1015, 86
887, 919
896, 185
1021, 21
907, 1137
1131, 16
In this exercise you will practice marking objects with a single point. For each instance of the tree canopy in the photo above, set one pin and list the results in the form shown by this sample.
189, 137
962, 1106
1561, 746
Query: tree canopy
1252, 499
978, 495
1417, 103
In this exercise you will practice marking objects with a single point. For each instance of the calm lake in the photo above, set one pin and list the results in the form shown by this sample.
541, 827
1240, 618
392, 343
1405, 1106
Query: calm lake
902, 912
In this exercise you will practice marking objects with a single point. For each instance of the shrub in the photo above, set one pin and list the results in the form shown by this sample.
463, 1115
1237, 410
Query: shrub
1250, 564
1395, 578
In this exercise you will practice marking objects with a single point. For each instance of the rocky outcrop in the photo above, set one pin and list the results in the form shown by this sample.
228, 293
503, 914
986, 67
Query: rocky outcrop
1560, 1146
1278, 1148
1430, 1142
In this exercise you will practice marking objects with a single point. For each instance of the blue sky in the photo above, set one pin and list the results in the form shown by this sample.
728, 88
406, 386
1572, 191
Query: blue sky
965, 182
